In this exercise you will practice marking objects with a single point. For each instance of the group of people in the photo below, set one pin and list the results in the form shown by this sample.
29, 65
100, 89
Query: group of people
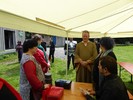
33, 66
99, 66
92, 65
19, 50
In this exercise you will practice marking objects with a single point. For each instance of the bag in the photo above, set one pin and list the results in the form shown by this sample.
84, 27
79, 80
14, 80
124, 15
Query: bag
52, 93
66, 84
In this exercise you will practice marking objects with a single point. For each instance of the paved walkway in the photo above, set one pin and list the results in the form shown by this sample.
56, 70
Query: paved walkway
59, 52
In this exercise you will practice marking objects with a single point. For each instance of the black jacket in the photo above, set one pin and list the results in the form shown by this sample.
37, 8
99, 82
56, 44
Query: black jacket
112, 88
95, 70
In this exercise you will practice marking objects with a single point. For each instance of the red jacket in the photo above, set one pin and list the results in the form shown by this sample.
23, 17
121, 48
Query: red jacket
30, 72
39, 56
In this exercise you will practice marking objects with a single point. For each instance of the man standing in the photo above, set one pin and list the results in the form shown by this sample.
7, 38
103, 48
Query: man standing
51, 51
19, 49
71, 49
85, 54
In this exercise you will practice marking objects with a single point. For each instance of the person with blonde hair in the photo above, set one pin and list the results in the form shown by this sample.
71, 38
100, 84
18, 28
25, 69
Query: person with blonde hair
85, 55
40, 54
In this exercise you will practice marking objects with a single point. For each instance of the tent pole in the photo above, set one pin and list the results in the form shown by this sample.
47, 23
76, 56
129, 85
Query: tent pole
67, 54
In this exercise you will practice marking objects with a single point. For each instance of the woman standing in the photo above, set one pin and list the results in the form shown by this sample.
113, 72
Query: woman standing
31, 74
40, 54
106, 46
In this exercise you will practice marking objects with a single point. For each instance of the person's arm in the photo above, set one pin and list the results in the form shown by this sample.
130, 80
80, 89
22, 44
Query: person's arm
77, 59
16, 47
40, 58
30, 72
107, 94
53, 45
94, 55
65, 48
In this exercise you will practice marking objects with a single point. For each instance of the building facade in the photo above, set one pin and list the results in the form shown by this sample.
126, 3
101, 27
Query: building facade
9, 38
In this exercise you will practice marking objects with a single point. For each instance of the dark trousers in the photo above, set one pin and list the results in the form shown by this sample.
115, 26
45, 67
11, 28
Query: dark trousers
69, 61
51, 53
19, 55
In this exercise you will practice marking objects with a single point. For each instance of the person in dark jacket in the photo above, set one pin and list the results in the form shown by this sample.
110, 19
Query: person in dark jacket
19, 49
52, 50
112, 87
44, 45
97, 45
106, 46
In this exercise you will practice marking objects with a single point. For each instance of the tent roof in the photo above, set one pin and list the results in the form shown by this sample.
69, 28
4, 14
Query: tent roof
13, 21
96, 16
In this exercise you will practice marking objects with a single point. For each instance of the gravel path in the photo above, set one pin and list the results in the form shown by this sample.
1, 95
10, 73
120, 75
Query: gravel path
59, 53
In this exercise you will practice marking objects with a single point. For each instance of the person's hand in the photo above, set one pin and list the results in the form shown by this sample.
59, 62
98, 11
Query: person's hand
83, 63
92, 92
89, 61
46, 86
48, 64
46, 69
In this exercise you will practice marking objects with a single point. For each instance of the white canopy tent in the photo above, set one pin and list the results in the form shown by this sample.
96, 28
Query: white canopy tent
13, 21
69, 17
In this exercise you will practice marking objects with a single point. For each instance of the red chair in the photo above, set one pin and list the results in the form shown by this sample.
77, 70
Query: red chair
8, 92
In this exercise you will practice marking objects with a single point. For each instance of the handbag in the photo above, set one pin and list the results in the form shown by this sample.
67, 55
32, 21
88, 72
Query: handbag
66, 84
52, 93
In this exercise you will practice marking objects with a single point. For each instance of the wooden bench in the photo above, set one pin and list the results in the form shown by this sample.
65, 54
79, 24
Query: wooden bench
127, 66
130, 95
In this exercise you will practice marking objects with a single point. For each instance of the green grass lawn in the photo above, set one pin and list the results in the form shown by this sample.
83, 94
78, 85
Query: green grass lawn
9, 67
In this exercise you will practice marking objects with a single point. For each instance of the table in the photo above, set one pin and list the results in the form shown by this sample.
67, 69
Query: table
127, 66
74, 93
